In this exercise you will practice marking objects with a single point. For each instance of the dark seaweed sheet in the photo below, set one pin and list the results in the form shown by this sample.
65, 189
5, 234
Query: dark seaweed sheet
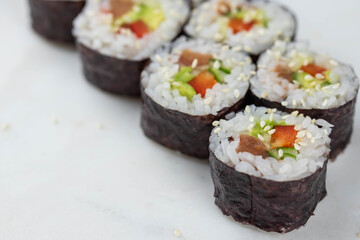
180, 131
269, 205
53, 19
341, 117
111, 74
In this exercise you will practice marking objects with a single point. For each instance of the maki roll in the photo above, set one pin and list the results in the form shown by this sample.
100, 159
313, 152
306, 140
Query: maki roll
291, 77
269, 167
116, 37
252, 26
53, 19
186, 87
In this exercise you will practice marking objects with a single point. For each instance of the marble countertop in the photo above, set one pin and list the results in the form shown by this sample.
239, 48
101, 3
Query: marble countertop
75, 165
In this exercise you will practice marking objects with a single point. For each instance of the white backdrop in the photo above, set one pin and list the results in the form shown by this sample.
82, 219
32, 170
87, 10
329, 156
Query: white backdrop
64, 176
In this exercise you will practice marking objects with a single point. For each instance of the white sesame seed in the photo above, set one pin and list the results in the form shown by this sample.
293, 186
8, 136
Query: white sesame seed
176, 84
303, 102
261, 137
294, 113
158, 58
281, 153
319, 76
216, 64
265, 94
325, 102
273, 110
217, 130
313, 140
337, 85
271, 118
298, 127
236, 49
242, 63
301, 115
297, 147
138, 45
251, 119
267, 128
284, 103
301, 134
237, 93
326, 132
291, 64
253, 72
216, 123
262, 124
226, 90
308, 77
208, 100
177, 233
333, 62
251, 126
247, 48
194, 63
294, 102
271, 132
225, 48
313, 84
309, 135
285, 116
262, 66
247, 109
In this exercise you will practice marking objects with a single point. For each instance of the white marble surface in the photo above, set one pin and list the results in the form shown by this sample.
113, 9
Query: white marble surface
62, 176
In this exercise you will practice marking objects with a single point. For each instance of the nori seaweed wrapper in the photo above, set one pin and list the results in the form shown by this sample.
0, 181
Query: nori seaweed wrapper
179, 131
341, 117
53, 19
269, 205
111, 74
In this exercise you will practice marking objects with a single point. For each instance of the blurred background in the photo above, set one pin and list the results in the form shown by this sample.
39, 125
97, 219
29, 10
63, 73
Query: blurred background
75, 165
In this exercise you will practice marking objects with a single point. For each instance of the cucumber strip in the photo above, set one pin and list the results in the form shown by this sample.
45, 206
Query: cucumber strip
273, 153
219, 75
225, 70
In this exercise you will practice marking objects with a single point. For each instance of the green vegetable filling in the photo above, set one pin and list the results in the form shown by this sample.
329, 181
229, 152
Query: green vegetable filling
286, 152
185, 75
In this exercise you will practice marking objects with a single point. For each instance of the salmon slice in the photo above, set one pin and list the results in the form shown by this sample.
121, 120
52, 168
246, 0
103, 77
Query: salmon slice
120, 7
252, 145
187, 57
284, 72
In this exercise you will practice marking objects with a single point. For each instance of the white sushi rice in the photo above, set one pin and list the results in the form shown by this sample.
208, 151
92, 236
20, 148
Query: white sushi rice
314, 146
93, 29
157, 77
282, 25
267, 84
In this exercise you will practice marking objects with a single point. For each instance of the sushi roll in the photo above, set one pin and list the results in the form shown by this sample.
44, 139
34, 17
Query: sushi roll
269, 167
186, 87
116, 37
53, 19
252, 26
292, 77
